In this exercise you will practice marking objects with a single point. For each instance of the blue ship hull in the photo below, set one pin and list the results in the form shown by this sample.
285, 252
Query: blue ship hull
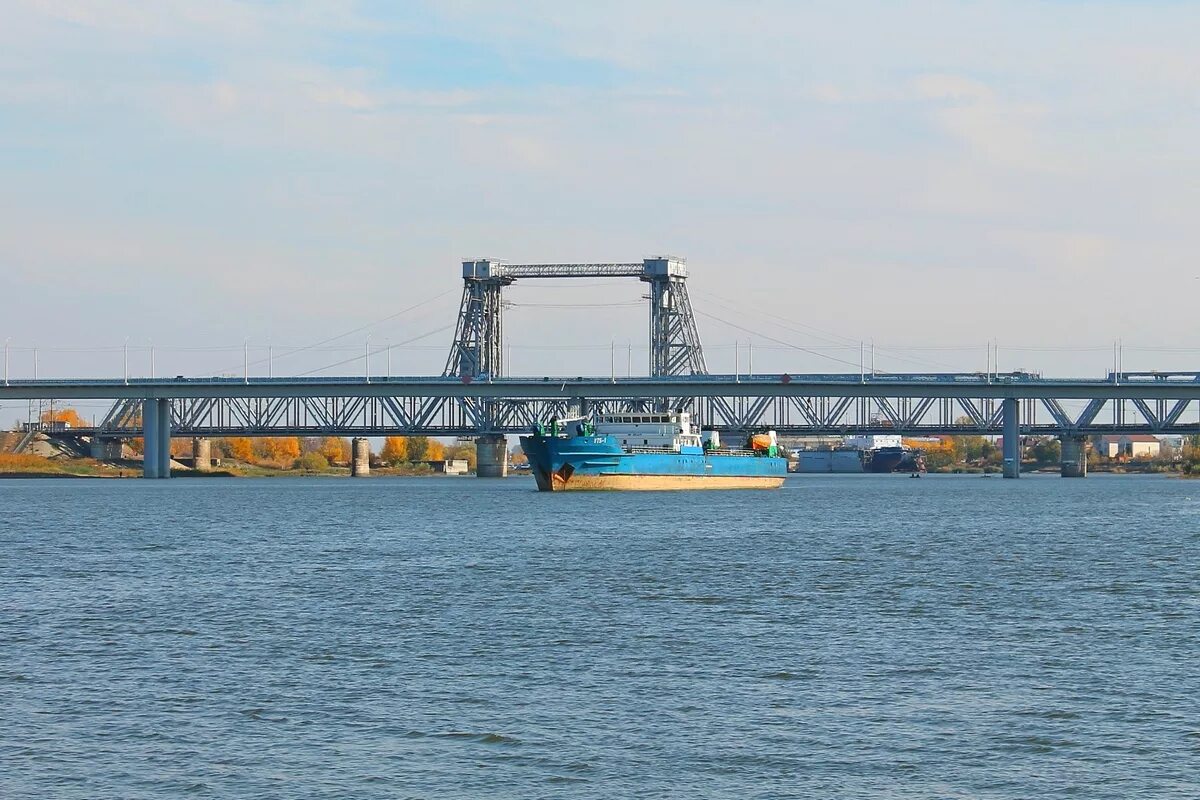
599, 462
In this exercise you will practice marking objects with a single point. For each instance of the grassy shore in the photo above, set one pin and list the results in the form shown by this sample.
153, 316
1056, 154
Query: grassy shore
28, 466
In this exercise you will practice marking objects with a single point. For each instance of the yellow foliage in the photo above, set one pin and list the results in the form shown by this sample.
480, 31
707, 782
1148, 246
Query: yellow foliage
943, 444
67, 415
938, 455
279, 448
335, 449
435, 451
395, 449
241, 448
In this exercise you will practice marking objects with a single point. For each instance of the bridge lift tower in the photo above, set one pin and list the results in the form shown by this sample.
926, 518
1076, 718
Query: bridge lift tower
674, 343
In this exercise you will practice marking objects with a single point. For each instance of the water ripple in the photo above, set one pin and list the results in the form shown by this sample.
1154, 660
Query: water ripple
844, 637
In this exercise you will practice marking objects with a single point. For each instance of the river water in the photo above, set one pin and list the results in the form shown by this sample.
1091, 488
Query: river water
844, 636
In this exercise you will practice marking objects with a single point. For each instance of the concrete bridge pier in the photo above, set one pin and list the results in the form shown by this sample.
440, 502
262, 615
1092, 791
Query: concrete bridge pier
491, 456
202, 454
105, 449
156, 438
149, 438
1074, 456
1011, 413
360, 457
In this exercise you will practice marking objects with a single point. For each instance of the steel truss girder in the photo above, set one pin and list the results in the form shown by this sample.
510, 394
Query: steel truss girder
572, 270
792, 415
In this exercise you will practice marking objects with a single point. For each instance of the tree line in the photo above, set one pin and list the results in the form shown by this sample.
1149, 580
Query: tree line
315, 453
301, 452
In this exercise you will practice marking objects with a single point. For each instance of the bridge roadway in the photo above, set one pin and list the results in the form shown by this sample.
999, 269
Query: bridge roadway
1025, 386
793, 404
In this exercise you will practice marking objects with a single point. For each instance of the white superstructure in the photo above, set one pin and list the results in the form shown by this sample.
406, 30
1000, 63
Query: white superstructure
671, 429
874, 441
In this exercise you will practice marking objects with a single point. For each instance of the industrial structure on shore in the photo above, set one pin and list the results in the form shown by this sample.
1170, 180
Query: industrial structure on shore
475, 397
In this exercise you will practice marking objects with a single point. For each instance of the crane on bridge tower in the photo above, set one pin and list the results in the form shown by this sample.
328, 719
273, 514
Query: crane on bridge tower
674, 342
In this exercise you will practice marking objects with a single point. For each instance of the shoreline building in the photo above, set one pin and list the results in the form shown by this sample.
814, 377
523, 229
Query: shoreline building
1127, 445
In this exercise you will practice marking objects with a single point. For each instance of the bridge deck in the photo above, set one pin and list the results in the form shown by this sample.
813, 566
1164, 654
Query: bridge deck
1130, 386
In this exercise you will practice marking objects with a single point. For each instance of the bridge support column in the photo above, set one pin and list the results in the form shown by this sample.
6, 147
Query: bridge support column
1074, 456
1011, 410
105, 449
491, 456
202, 454
149, 438
156, 438
164, 438
360, 457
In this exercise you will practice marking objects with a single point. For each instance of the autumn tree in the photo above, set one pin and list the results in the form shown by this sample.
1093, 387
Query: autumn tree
970, 448
1047, 451
288, 448
240, 448
463, 452
279, 449
417, 447
939, 454
311, 461
435, 451
335, 449
66, 415
395, 449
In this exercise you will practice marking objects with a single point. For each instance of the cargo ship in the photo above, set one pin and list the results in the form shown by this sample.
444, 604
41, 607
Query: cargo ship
887, 453
875, 453
647, 451
894, 459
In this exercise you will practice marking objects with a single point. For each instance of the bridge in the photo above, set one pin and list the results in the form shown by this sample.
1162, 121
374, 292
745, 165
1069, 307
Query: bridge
474, 398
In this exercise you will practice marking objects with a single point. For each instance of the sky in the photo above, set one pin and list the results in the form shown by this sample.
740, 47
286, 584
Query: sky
205, 184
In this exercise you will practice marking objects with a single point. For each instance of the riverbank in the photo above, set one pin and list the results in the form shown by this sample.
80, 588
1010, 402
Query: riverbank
1032, 467
33, 466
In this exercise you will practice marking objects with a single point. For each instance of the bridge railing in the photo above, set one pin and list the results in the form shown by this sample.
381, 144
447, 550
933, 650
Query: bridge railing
1021, 378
